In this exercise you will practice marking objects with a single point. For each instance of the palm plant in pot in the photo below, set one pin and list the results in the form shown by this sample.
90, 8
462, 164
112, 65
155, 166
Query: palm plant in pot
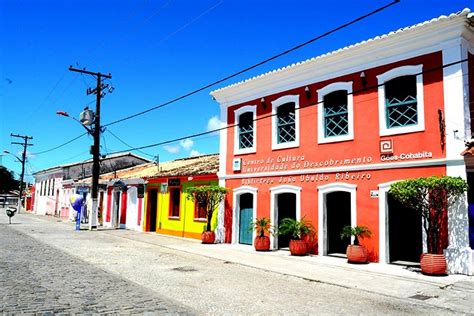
431, 196
263, 228
356, 253
297, 229
210, 196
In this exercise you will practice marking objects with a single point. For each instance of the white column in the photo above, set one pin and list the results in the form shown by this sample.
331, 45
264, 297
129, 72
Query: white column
220, 229
457, 117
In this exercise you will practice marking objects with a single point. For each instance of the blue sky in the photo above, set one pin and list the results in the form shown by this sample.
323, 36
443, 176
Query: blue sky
157, 50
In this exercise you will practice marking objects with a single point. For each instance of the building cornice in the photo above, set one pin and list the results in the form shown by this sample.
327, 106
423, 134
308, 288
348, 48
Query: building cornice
404, 43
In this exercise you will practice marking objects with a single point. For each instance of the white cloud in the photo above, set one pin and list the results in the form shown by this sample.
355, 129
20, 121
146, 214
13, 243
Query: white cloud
213, 123
187, 143
172, 149
194, 153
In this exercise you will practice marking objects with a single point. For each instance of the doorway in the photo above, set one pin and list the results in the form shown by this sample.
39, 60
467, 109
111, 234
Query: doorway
338, 214
115, 209
286, 208
152, 209
405, 233
245, 218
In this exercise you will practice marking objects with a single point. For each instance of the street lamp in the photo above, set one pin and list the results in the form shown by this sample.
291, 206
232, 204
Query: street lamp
21, 178
86, 119
83, 123
9, 153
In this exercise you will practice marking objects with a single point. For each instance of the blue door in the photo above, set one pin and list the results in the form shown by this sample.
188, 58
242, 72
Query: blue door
245, 224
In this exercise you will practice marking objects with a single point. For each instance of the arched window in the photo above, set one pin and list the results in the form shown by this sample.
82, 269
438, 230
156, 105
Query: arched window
245, 132
286, 125
285, 122
400, 102
335, 113
401, 105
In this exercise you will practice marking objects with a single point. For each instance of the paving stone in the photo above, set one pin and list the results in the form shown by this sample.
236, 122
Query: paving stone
37, 279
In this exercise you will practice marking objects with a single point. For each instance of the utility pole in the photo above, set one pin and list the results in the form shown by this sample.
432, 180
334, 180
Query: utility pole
96, 134
23, 160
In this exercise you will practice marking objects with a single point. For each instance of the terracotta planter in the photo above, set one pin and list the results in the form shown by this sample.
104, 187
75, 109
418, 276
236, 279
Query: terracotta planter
298, 248
208, 237
433, 264
262, 243
356, 254
312, 242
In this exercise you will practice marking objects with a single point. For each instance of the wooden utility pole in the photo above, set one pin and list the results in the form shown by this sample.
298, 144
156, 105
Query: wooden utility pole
96, 134
23, 161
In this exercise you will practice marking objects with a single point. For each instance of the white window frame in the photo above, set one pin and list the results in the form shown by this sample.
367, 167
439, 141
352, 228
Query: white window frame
420, 104
336, 86
275, 104
237, 113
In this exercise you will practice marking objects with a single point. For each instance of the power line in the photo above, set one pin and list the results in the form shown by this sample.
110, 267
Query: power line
255, 65
184, 26
128, 18
49, 94
59, 146
274, 114
128, 145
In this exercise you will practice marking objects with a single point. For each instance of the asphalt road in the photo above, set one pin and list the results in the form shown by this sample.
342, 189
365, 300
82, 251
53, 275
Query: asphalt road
47, 267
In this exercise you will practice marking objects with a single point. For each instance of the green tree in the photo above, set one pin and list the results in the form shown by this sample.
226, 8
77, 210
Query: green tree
7, 180
431, 196
210, 196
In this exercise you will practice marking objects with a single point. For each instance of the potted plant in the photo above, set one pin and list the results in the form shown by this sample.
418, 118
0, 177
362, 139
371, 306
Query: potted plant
262, 226
210, 196
355, 252
311, 240
297, 230
431, 196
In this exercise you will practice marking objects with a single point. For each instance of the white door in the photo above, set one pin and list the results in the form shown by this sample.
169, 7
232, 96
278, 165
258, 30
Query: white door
132, 208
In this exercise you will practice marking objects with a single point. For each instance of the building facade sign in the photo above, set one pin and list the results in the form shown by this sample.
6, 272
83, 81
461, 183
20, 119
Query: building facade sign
290, 162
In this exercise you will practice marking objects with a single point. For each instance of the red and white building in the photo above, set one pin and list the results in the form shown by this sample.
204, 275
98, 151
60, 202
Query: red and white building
54, 186
324, 139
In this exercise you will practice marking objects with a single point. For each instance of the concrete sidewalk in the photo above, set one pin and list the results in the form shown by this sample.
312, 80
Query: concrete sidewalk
455, 292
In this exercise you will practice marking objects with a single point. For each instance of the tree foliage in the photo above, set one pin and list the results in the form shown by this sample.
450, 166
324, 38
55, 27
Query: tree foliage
431, 196
210, 196
7, 180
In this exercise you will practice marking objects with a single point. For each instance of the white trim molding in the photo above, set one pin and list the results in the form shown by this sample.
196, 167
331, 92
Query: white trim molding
274, 192
275, 104
384, 247
237, 113
459, 256
220, 229
420, 104
236, 193
323, 190
336, 86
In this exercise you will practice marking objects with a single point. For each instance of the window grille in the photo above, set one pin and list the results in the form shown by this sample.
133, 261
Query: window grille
336, 115
401, 102
286, 125
246, 130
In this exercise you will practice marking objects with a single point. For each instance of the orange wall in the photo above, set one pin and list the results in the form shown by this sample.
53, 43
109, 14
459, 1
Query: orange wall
367, 207
365, 144
366, 120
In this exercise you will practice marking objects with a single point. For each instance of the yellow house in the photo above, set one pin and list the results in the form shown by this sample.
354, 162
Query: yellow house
167, 208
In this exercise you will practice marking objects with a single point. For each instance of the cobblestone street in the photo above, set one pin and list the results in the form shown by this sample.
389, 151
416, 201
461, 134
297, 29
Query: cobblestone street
38, 278
46, 266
